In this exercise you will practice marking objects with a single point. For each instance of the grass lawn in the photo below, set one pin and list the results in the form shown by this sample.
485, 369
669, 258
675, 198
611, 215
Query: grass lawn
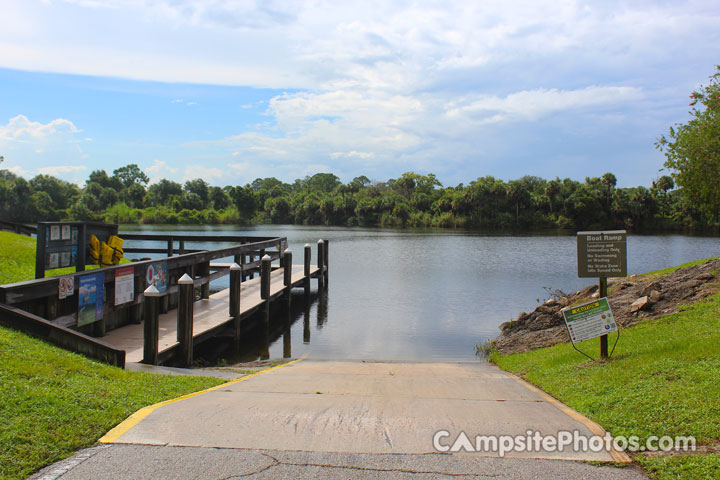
53, 402
17, 259
664, 379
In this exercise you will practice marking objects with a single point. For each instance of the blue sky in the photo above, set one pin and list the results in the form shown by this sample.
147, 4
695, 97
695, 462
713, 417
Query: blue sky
232, 90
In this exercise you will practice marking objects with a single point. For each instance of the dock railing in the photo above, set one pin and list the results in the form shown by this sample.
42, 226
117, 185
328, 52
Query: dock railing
40, 298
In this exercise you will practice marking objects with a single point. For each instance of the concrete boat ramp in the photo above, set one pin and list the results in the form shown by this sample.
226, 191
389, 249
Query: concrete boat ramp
349, 419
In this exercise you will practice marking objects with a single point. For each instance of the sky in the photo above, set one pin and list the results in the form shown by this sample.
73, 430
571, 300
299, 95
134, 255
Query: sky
233, 90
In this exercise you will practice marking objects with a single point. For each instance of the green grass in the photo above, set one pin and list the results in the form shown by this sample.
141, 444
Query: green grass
53, 402
665, 271
17, 259
664, 379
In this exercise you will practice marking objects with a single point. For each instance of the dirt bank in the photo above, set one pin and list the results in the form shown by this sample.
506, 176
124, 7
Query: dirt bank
632, 299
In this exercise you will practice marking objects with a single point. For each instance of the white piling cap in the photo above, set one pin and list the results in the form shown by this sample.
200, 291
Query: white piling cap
151, 291
287, 250
266, 257
185, 279
235, 266
321, 241
307, 245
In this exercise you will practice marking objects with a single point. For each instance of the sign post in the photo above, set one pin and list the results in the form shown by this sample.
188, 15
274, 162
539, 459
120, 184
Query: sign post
602, 255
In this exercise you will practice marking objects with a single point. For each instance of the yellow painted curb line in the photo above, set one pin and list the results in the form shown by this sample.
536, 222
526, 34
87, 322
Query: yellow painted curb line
595, 429
123, 427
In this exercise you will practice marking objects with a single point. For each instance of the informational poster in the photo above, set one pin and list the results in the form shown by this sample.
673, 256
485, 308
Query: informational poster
54, 233
157, 274
91, 292
66, 287
589, 320
53, 260
74, 235
65, 232
124, 285
73, 255
65, 259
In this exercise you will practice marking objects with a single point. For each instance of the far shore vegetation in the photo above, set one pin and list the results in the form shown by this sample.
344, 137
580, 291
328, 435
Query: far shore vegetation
412, 200
661, 380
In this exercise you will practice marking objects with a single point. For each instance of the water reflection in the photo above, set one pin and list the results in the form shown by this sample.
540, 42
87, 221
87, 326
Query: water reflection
261, 333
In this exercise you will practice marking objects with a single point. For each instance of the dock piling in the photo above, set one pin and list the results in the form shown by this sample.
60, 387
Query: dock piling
306, 272
287, 274
320, 260
151, 329
326, 249
235, 285
185, 319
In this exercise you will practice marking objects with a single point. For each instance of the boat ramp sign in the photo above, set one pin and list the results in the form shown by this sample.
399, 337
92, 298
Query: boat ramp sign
589, 320
602, 254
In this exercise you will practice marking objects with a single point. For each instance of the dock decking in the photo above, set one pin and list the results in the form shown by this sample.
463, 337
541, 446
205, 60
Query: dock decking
208, 314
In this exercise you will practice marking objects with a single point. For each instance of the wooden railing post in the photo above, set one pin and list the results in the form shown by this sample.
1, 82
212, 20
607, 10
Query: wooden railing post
235, 286
170, 247
287, 274
151, 329
204, 269
185, 319
265, 277
306, 272
326, 249
320, 259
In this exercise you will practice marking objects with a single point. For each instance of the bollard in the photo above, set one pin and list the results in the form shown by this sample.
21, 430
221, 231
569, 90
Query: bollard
265, 277
321, 269
151, 329
325, 261
287, 274
306, 272
185, 319
235, 286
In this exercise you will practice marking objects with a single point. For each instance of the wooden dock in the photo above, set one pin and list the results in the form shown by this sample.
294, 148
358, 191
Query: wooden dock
157, 326
209, 315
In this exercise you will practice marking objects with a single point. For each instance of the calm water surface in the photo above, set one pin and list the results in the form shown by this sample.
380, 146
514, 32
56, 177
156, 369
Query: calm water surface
433, 295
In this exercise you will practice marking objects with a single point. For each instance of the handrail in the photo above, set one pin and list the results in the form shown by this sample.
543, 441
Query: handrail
20, 228
47, 287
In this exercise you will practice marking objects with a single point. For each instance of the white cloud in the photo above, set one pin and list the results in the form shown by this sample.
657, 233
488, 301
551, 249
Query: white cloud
60, 170
20, 129
159, 170
535, 104
209, 174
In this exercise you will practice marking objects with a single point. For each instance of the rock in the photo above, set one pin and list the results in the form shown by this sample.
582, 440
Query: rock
650, 288
655, 296
550, 302
595, 295
639, 304
542, 322
564, 301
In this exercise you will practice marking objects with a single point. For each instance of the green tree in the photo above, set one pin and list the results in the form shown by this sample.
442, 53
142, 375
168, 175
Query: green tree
130, 174
692, 150
162, 192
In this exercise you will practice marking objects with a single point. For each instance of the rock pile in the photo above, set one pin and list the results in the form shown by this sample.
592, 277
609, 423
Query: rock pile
632, 300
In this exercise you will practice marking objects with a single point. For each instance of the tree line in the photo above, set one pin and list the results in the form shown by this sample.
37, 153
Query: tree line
412, 200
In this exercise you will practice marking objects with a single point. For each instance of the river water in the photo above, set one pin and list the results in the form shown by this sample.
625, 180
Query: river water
430, 294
